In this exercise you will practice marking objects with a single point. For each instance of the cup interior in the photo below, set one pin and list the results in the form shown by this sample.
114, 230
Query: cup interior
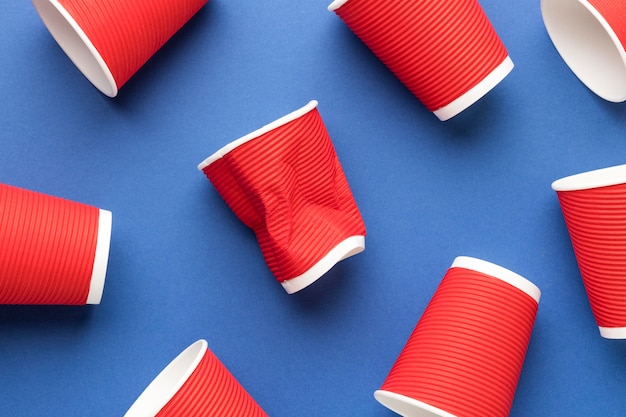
603, 177
75, 43
168, 382
588, 45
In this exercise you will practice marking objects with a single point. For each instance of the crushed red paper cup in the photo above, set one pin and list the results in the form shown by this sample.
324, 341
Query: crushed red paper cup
446, 53
109, 40
285, 182
52, 250
195, 383
590, 36
594, 208
465, 356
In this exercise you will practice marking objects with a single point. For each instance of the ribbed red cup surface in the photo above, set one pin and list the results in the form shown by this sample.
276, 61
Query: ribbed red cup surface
596, 221
124, 33
47, 248
466, 353
288, 186
614, 12
438, 49
211, 391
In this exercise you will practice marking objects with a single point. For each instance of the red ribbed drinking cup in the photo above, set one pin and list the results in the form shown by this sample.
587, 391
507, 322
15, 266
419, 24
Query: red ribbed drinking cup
590, 36
52, 250
465, 355
285, 182
109, 40
445, 52
594, 208
195, 384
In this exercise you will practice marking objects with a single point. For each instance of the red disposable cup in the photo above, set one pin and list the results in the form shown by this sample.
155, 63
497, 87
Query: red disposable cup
446, 53
195, 384
109, 40
285, 182
465, 355
52, 250
594, 208
590, 36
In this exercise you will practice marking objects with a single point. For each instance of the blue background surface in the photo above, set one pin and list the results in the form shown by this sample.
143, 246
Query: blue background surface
182, 267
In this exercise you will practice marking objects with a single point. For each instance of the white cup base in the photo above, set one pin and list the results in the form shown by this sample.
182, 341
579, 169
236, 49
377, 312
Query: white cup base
613, 332
348, 247
475, 93
101, 258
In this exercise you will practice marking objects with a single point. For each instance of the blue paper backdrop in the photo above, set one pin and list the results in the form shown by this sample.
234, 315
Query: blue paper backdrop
182, 267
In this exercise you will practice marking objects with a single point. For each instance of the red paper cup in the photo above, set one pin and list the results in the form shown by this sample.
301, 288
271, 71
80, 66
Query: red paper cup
195, 384
109, 40
590, 37
446, 53
594, 208
465, 356
52, 251
285, 182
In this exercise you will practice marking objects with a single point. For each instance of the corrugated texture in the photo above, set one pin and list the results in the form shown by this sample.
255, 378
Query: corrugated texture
47, 248
211, 391
289, 187
127, 33
613, 13
438, 49
466, 353
596, 221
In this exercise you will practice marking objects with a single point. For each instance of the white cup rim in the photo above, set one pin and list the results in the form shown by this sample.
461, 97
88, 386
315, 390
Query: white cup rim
76, 44
498, 272
596, 178
255, 134
168, 382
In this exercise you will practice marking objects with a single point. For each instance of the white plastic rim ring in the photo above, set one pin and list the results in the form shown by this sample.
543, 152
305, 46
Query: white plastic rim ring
588, 45
76, 45
613, 332
101, 258
261, 131
603, 177
477, 92
348, 247
163, 388
498, 272
408, 407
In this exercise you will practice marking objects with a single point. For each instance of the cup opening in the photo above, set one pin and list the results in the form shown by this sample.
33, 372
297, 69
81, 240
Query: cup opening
588, 45
603, 177
75, 43
408, 407
168, 382
253, 135
498, 272
101, 259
